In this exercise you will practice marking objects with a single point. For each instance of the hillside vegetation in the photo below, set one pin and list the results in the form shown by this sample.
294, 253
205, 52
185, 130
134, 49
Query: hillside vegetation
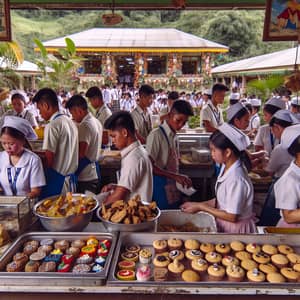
240, 30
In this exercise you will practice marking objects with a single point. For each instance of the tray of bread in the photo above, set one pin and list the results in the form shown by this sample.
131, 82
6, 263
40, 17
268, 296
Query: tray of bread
204, 259
58, 258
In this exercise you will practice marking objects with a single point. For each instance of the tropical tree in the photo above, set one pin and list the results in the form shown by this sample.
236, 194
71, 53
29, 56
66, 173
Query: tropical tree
58, 71
11, 56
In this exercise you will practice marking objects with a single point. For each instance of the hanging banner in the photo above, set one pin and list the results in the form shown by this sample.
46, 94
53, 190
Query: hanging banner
5, 30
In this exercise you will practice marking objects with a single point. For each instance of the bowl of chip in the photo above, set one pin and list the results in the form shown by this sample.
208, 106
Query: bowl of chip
71, 212
131, 215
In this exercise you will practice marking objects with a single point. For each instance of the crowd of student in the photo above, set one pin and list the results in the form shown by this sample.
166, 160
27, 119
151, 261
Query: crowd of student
73, 135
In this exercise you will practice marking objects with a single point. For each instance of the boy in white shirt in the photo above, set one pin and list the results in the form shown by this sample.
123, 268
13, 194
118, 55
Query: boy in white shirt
90, 139
60, 145
136, 167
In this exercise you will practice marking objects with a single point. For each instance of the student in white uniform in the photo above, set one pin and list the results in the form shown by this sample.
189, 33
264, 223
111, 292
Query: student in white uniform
90, 133
233, 206
141, 114
19, 109
21, 171
95, 97
136, 168
211, 115
265, 139
60, 145
295, 106
278, 163
254, 122
163, 151
287, 188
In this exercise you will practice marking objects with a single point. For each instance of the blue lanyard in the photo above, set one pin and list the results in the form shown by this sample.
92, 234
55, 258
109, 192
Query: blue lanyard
57, 116
13, 183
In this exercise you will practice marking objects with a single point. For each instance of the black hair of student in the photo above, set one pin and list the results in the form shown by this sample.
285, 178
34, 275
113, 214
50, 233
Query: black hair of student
244, 111
233, 101
94, 91
16, 134
18, 96
249, 107
295, 147
173, 96
77, 101
146, 89
279, 122
120, 120
182, 107
271, 109
256, 107
296, 107
46, 95
220, 141
218, 87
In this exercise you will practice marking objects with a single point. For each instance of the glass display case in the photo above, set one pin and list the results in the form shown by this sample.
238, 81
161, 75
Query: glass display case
194, 147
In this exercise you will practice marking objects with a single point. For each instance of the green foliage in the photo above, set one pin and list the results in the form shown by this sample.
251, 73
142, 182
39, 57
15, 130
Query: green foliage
58, 72
263, 88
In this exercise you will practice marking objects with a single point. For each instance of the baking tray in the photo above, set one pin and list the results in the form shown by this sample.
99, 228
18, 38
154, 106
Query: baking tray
55, 278
146, 240
282, 230
178, 218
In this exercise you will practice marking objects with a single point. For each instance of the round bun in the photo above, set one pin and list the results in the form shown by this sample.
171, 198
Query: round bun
279, 260
199, 265
161, 261
190, 276
253, 248
285, 249
267, 268
230, 260
193, 254
249, 264
269, 249
256, 276
242, 255
235, 273
213, 257
223, 248
261, 257
237, 246
174, 244
216, 272
275, 278
290, 274
160, 246
207, 247
191, 244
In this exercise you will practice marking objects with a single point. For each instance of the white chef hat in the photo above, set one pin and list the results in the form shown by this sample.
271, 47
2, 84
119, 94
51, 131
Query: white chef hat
276, 101
286, 115
295, 101
234, 96
208, 92
289, 135
21, 125
237, 137
255, 102
233, 110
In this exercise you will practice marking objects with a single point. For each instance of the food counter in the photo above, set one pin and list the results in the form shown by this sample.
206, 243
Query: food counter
116, 289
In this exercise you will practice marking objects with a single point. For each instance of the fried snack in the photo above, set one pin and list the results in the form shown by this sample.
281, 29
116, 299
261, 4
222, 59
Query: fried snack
118, 216
65, 206
130, 212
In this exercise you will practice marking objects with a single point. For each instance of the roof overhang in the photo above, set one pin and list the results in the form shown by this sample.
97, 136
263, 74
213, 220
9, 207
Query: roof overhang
136, 4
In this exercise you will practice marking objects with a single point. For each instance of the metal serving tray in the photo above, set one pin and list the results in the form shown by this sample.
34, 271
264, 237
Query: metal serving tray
204, 221
55, 278
146, 240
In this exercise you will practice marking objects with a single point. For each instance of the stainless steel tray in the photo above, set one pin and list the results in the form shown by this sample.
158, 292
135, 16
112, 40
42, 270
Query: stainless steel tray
146, 240
57, 279
202, 220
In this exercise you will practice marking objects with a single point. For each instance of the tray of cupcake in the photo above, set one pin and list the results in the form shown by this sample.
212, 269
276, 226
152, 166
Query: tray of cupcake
60, 258
204, 259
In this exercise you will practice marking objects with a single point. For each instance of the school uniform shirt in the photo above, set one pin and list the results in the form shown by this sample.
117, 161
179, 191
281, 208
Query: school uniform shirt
265, 139
212, 114
29, 172
158, 147
25, 114
136, 172
287, 189
61, 138
279, 161
103, 113
234, 191
254, 122
90, 131
142, 121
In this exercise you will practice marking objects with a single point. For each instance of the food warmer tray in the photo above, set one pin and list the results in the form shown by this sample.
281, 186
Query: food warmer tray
146, 240
203, 220
55, 278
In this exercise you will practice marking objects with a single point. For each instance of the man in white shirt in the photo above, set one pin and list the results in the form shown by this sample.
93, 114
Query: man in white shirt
94, 95
136, 167
60, 145
211, 116
141, 115
90, 139
106, 95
